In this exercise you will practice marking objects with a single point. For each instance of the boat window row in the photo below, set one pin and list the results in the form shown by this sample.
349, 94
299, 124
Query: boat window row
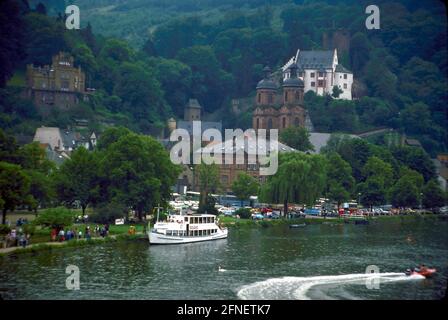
191, 233
200, 219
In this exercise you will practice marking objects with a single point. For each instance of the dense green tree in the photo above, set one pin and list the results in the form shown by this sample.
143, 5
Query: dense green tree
380, 170
245, 186
210, 84
404, 193
111, 135
297, 138
175, 35
359, 52
300, 178
141, 94
56, 218
137, 172
14, 187
336, 92
9, 149
416, 118
416, 159
372, 192
433, 196
76, 179
44, 38
176, 81
11, 40
340, 182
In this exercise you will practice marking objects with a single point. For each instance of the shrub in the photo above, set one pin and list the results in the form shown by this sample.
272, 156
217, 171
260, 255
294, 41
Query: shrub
4, 229
107, 213
55, 218
244, 213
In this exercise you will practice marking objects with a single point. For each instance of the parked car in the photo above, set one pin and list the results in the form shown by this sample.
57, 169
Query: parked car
257, 216
273, 215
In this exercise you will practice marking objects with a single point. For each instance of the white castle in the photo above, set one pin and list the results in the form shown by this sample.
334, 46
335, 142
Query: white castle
320, 72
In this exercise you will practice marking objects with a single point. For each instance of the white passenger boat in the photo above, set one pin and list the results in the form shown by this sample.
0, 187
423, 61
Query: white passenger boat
186, 228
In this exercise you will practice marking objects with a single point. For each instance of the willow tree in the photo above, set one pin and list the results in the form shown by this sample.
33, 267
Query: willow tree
300, 178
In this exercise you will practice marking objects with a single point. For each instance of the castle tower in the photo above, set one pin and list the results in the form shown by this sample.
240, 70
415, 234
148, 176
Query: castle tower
192, 110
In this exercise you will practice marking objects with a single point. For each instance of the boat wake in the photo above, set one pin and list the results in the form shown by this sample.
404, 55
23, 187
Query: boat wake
297, 288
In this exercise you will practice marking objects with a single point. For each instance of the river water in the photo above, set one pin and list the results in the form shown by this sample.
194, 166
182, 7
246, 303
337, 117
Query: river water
314, 262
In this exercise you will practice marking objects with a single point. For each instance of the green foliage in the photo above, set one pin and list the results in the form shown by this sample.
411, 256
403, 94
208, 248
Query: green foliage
331, 115
4, 229
378, 169
244, 213
55, 218
14, 186
208, 181
209, 82
11, 41
245, 186
340, 182
209, 206
404, 193
76, 179
136, 171
108, 212
433, 196
300, 178
297, 138
416, 159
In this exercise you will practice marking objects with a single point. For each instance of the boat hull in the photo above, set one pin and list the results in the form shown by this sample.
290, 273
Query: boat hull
158, 238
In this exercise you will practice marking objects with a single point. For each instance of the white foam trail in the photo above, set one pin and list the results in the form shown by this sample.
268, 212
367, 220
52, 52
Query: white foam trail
298, 287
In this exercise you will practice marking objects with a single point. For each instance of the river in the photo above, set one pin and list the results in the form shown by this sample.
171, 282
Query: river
315, 262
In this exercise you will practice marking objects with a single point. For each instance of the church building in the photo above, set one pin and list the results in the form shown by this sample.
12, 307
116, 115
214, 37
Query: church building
280, 109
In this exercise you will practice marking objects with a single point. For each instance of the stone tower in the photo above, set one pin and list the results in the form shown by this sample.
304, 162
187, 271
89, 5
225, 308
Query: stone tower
192, 110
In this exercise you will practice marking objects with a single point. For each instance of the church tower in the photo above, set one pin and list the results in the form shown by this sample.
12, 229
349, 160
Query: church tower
266, 90
293, 88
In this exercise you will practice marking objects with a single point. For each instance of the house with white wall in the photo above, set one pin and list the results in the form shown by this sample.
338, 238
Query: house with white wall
320, 71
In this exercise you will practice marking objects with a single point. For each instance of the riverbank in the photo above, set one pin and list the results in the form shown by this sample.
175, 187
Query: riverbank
33, 248
234, 222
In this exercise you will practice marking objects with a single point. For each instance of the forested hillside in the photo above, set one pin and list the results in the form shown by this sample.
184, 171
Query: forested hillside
164, 52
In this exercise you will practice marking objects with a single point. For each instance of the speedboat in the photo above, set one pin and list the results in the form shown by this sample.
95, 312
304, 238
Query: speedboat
423, 271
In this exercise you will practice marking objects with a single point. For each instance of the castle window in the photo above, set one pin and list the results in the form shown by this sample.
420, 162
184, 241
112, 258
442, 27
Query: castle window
345, 76
284, 122
300, 74
312, 74
270, 98
296, 121
320, 83
345, 86
321, 74
313, 84
297, 95
270, 123
259, 98
286, 96
258, 123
